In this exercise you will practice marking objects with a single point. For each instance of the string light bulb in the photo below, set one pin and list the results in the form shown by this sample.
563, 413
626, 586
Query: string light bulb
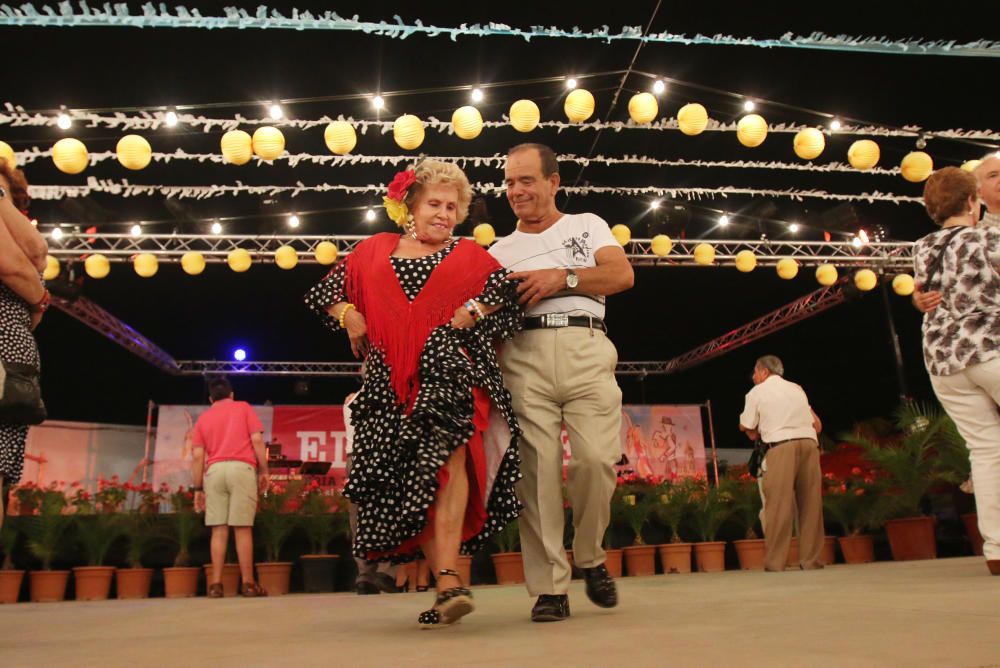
723, 220
835, 125
659, 87
378, 102
571, 83
136, 230
64, 121
57, 233
293, 221
477, 95
276, 112
170, 119
793, 228
749, 105
216, 228
370, 215
654, 205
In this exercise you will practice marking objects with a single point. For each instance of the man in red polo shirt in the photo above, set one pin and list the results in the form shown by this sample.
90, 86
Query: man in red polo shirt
229, 457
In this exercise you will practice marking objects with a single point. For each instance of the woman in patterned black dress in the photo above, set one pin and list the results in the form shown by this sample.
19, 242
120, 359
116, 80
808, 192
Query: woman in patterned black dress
23, 299
435, 446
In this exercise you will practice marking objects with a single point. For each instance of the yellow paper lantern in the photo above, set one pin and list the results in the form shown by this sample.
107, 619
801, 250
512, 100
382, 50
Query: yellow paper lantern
96, 266
826, 274
704, 254
134, 152
788, 268
751, 130
268, 142
746, 261
621, 233
692, 119
865, 280
51, 268
484, 234
239, 260
286, 257
524, 115
643, 108
70, 155
237, 147
145, 265
809, 143
661, 245
326, 252
579, 105
7, 153
863, 154
970, 165
902, 285
193, 263
340, 137
467, 121
408, 131
916, 166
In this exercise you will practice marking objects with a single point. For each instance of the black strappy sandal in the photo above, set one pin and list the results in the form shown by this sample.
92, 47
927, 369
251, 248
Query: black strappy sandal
449, 606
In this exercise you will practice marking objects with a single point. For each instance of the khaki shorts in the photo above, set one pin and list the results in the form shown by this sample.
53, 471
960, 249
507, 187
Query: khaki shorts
230, 494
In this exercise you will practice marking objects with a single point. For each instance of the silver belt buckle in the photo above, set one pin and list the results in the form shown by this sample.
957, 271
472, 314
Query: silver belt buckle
555, 320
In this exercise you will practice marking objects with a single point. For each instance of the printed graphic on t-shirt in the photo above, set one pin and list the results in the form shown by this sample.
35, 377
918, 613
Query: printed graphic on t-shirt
578, 247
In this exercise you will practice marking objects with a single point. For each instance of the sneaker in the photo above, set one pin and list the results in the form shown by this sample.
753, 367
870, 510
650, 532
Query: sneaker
550, 608
366, 588
601, 589
386, 584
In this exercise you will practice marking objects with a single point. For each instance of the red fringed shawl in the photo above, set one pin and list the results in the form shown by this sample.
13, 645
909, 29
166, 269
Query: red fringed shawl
397, 326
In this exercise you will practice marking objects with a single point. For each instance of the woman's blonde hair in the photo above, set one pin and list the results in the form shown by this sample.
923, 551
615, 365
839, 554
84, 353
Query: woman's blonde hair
437, 173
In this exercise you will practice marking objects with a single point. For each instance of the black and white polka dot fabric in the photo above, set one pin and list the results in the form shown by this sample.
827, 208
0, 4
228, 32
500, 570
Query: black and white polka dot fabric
16, 345
397, 456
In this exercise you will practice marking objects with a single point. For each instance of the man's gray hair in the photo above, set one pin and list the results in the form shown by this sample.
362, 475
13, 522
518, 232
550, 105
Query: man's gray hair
772, 364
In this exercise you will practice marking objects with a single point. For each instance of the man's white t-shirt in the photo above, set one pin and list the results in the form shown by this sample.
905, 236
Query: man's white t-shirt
779, 410
569, 244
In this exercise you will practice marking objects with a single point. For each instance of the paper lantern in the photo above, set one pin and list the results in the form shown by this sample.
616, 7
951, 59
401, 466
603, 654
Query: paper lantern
268, 142
7, 153
51, 268
408, 131
145, 265
237, 147
97, 266
643, 108
484, 234
788, 268
751, 130
286, 257
704, 254
621, 233
468, 122
865, 280
524, 115
863, 154
134, 152
193, 263
326, 252
340, 137
70, 155
692, 119
661, 245
579, 105
826, 274
916, 166
239, 260
902, 285
970, 165
746, 261
809, 143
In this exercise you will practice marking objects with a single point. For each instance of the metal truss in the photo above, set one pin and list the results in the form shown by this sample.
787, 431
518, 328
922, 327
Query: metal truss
303, 369
887, 255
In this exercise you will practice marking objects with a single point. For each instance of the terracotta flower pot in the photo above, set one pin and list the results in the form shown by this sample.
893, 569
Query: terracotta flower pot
640, 560
793, 553
912, 538
828, 553
857, 549
465, 569
10, 586
509, 567
751, 552
318, 572
230, 578
613, 562
274, 577
93, 583
133, 582
181, 582
48, 586
676, 557
971, 522
710, 557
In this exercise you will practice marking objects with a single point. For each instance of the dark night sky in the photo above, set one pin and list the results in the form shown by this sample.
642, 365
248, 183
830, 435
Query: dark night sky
842, 357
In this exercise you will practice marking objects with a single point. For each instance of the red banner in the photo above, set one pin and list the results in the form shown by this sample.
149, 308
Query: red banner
311, 434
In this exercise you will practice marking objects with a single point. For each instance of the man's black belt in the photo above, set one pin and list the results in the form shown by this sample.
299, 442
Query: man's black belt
556, 320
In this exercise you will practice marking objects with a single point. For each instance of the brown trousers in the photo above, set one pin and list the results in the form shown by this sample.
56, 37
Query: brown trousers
793, 482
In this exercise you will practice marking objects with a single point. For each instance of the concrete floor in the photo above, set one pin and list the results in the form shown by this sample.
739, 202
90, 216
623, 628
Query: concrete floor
930, 613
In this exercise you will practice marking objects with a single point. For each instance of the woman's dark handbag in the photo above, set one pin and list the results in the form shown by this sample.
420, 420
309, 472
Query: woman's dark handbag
20, 394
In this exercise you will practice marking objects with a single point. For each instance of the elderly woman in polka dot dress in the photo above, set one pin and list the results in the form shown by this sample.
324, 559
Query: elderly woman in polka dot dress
23, 300
435, 447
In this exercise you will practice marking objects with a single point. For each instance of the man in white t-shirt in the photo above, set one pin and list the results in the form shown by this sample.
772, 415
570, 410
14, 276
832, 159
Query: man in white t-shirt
561, 370
777, 412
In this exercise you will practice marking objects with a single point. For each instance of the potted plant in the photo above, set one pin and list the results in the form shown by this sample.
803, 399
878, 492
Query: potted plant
274, 524
46, 531
633, 503
507, 562
10, 577
851, 503
746, 505
96, 533
674, 504
181, 581
141, 526
711, 506
322, 517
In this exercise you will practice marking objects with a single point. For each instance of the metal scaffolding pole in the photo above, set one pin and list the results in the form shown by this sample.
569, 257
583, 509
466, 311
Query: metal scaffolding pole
303, 369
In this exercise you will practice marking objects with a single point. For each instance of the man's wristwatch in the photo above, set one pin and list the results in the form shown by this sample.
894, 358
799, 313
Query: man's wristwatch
572, 280
3, 193
193, 488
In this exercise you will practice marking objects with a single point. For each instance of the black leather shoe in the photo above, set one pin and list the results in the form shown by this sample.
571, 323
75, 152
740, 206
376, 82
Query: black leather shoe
366, 588
550, 608
601, 589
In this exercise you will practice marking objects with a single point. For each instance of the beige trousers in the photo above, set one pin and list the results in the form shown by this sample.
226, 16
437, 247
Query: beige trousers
793, 490
555, 377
